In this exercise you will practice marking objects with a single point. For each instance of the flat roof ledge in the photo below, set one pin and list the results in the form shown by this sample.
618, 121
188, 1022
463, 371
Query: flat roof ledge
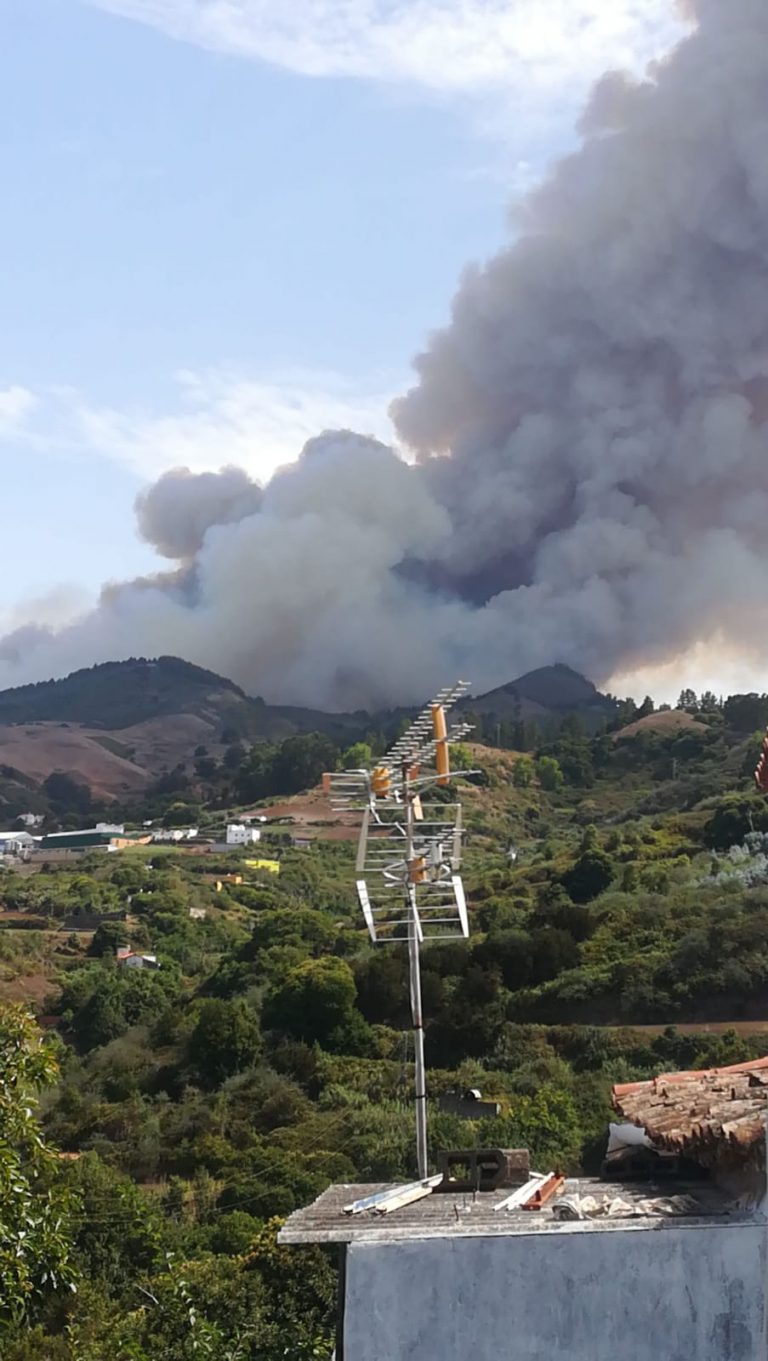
449, 1215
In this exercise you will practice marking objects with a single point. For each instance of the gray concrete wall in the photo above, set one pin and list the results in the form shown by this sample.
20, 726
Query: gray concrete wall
669, 1294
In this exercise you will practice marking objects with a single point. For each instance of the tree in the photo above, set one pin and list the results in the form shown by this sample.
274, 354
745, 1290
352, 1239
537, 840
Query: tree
300, 762
746, 713
358, 757
113, 1245
626, 713
316, 1002
575, 759
205, 767
66, 794
733, 818
234, 756
522, 775
182, 814
591, 875
102, 1002
509, 951
382, 986
709, 702
225, 1040
554, 951
689, 701
35, 1245
549, 773
461, 757
106, 939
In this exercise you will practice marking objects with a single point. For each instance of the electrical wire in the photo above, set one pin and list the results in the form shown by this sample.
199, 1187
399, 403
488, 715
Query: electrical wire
127, 1216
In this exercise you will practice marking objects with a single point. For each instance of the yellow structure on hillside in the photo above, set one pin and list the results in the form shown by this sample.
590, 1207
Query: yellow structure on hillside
271, 866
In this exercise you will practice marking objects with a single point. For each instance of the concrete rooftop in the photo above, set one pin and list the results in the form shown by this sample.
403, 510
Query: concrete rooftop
451, 1215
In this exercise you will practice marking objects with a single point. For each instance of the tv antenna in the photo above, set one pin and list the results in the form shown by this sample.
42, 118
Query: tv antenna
409, 855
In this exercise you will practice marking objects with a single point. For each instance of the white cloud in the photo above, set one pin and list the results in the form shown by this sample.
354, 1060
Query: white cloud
210, 419
16, 407
454, 45
220, 418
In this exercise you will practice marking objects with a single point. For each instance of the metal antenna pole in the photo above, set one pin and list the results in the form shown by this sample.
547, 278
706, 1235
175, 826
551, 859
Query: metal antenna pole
418, 1044
415, 980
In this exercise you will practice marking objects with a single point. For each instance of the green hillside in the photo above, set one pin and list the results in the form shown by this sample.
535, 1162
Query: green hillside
618, 890
116, 695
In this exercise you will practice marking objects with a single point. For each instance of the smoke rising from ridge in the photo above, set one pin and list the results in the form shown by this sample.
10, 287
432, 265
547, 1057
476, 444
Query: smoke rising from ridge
591, 436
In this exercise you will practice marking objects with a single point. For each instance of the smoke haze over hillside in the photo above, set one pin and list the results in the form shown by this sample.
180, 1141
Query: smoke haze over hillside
591, 476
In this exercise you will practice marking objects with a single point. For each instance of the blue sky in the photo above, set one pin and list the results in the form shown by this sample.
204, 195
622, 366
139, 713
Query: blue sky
228, 224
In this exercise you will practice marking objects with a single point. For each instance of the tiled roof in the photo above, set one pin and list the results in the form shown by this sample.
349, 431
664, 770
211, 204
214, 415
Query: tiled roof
716, 1116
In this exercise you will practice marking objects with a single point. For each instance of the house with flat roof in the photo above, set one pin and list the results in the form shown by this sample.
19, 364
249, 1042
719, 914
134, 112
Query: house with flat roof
662, 1258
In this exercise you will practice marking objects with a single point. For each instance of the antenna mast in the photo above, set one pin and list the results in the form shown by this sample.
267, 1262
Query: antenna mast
409, 856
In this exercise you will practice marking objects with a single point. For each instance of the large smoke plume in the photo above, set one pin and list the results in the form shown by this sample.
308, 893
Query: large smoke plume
591, 436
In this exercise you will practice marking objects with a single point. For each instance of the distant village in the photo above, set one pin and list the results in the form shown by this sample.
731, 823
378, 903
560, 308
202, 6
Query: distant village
33, 843
33, 847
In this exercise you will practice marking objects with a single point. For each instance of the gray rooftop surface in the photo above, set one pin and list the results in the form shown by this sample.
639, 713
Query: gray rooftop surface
451, 1215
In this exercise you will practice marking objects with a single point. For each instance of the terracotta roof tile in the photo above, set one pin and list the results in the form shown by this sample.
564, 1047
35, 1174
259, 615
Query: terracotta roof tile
716, 1116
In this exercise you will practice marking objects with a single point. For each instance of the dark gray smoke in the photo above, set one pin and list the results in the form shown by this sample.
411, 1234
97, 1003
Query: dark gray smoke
590, 430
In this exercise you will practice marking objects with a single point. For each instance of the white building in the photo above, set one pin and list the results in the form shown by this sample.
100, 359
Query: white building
612, 1271
31, 819
16, 843
240, 835
175, 834
113, 828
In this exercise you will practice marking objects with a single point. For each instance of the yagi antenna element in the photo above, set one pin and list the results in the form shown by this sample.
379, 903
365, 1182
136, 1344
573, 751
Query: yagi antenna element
409, 854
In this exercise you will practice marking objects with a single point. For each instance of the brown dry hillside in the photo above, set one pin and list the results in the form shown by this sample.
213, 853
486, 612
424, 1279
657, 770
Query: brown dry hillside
114, 763
672, 720
38, 749
161, 743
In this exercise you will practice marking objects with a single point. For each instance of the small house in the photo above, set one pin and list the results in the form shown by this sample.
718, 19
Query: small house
131, 960
469, 1105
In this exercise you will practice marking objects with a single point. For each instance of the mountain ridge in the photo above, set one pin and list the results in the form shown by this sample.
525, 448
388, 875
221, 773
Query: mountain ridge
114, 695
117, 726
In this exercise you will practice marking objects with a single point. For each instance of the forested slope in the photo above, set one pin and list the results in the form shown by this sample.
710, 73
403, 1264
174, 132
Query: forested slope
613, 881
